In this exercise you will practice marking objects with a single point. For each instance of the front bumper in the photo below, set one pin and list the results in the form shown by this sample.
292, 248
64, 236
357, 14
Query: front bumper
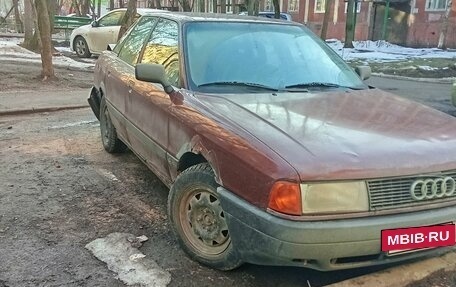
94, 100
262, 238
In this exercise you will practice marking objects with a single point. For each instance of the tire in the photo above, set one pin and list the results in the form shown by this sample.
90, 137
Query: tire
111, 142
198, 220
81, 48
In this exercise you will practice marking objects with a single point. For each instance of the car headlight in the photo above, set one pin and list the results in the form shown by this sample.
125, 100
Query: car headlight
334, 197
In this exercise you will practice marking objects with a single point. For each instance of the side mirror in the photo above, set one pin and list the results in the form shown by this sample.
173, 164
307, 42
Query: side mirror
153, 73
364, 72
94, 23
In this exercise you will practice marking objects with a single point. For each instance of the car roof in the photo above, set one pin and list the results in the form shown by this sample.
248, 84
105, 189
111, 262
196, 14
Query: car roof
211, 17
141, 11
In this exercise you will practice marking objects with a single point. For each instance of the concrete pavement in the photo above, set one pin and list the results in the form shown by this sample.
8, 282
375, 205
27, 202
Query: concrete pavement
22, 102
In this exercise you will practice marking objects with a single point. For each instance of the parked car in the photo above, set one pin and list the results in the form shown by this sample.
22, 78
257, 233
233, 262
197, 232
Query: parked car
271, 15
94, 38
274, 149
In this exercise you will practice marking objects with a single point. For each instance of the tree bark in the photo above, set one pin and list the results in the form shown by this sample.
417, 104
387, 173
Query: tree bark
186, 6
17, 17
111, 6
276, 5
128, 18
28, 23
444, 30
45, 34
324, 27
350, 25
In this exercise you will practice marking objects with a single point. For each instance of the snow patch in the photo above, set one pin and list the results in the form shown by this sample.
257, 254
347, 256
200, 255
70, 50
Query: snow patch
132, 266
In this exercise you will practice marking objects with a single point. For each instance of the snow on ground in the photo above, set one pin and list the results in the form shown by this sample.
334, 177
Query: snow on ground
382, 51
10, 50
378, 51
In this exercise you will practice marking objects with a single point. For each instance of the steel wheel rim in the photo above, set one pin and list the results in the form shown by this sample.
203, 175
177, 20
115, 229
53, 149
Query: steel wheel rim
106, 125
203, 222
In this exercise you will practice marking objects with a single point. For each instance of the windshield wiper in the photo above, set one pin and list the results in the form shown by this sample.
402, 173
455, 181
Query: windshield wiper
242, 84
320, 84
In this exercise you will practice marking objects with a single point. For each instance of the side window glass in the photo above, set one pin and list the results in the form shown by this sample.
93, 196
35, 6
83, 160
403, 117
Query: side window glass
111, 19
162, 48
133, 43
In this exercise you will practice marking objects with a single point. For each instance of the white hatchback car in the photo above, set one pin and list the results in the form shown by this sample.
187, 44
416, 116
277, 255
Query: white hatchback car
95, 37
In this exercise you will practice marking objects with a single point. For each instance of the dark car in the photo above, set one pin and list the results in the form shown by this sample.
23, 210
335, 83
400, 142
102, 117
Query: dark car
274, 149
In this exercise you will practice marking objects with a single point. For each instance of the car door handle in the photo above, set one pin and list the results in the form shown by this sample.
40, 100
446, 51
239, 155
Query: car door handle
131, 84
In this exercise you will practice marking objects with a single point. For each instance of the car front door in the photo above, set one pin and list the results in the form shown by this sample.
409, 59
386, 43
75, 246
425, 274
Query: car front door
106, 32
120, 73
148, 105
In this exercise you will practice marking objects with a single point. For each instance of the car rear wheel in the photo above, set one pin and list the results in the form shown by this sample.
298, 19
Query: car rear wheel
81, 48
198, 219
111, 142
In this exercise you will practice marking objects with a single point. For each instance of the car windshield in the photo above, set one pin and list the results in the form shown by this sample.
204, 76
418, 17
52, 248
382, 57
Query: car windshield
229, 56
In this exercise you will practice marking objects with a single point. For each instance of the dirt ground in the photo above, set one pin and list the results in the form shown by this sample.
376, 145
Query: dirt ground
59, 190
26, 77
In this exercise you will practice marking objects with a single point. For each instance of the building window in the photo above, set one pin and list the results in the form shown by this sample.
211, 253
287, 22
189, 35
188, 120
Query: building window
229, 6
320, 6
358, 7
433, 5
293, 5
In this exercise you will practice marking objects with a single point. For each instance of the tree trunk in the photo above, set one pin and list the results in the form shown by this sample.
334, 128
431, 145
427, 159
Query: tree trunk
111, 6
45, 34
121, 4
186, 6
158, 4
98, 9
324, 27
202, 7
17, 17
214, 6
51, 5
276, 5
350, 25
128, 18
443, 32
28, 23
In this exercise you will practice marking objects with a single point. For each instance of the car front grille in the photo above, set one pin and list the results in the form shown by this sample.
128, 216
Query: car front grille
391, 193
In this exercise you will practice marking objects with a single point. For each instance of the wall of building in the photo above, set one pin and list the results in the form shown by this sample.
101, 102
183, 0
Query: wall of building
425, 26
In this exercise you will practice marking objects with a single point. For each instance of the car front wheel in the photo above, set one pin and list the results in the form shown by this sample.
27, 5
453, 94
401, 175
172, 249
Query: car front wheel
198, 219
81, 48
111, 142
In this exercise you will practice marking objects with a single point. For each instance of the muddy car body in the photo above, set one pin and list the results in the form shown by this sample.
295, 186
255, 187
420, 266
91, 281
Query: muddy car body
269, 163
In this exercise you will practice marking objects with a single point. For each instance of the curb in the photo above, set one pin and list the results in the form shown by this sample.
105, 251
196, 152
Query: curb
41, 110
37, 62
424, 80
403, 275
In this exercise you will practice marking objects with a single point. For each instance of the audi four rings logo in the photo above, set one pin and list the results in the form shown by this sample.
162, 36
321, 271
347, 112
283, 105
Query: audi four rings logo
433, 188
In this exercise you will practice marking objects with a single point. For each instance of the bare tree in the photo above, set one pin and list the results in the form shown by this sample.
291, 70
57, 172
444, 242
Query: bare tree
276, 5
324, 27
28, 23
444, 30
128, 18
253, 7
350, 24
17, 17
187, 5
44, 27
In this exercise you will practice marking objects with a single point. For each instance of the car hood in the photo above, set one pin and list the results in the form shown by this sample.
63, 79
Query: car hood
344, 134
